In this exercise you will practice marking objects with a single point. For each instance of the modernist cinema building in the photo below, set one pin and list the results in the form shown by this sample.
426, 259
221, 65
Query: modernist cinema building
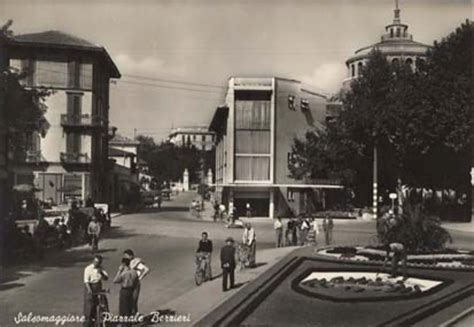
256, 126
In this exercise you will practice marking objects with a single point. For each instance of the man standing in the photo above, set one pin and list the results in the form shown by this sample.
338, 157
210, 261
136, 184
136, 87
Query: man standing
250, 239
93, 230
40, 235
142, 270
315, 230
93, 277
328, 226
249, 210
304, 229
399, 254
228, 263
128, 279
278, 226
222, 211
205, 249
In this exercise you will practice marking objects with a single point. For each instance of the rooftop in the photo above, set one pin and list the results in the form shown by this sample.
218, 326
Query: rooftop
54, 38
396, 41
122, 140
190, 130
63, 41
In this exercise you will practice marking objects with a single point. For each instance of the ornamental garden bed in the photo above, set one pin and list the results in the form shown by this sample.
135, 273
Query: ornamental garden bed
364, 286
448, 258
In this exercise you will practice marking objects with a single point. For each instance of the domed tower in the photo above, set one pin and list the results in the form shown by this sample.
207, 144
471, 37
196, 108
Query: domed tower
397, 44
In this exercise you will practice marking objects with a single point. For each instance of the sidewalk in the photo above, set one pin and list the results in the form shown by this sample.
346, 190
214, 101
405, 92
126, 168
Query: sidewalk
460, 227
203, 299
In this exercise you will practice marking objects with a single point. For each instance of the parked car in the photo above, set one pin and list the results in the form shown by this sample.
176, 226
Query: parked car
50, 215
149, 198
166, 194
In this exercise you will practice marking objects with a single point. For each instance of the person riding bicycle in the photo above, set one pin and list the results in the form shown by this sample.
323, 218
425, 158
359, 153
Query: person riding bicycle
93, 277
205, 250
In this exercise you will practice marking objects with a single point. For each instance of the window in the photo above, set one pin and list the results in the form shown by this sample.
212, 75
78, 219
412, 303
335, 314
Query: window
395, 61
203, 138
359, 68
409, 61
304, 104
391, 32
291, 102
252, 136
194, 137
183, 139
290, 195
29, 66
72, 186
398, 32
73, 143
79, 75
352, 70
51, 74
74, 107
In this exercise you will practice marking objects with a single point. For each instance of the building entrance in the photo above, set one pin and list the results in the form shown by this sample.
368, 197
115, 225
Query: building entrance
260, 207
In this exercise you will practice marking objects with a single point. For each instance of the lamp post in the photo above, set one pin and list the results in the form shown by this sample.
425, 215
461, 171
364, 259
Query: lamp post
375, 183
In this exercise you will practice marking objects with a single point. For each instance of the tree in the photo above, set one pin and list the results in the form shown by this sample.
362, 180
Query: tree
25, 108
167, 161
420, 120
25, 112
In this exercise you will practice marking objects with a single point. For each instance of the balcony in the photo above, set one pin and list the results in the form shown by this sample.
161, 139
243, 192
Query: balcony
72, 158
80, 121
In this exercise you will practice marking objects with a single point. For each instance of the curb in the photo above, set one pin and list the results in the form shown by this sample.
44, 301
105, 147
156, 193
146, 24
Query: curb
233, 310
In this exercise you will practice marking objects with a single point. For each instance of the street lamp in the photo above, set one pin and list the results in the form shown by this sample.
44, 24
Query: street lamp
392, 197
375, 179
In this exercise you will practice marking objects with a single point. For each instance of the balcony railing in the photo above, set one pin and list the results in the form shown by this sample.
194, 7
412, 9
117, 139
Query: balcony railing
33, 156
75, 158
80, 121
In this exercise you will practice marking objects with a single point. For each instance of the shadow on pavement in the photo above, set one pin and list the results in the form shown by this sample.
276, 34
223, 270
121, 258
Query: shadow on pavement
239, 285
165, 209
56, 259
116, 232
258, 264
10, 286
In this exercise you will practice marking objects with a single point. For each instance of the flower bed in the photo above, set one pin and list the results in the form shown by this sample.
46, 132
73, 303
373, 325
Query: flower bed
347, 285
446, 259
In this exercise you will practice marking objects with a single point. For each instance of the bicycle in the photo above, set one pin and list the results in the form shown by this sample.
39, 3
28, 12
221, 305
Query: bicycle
101, 307
200, 275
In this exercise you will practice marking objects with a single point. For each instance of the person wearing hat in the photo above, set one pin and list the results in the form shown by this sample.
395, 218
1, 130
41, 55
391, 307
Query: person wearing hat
228, 263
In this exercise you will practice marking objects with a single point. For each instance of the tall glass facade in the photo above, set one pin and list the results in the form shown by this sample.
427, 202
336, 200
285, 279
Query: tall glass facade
252, 135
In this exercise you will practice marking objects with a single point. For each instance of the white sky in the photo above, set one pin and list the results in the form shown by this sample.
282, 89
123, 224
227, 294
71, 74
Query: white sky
207, 41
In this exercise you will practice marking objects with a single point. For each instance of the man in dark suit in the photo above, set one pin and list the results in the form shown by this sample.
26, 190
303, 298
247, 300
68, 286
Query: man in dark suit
228, 263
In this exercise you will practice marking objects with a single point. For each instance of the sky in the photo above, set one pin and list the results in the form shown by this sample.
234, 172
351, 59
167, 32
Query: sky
176, 56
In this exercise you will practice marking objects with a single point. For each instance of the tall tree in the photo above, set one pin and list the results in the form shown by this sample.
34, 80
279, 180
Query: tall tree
420, 120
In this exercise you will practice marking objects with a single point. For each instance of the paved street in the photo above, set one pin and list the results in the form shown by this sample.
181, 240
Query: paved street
166, 240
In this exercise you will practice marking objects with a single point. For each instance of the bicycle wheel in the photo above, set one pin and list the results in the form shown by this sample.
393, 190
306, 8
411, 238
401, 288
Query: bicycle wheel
199, 277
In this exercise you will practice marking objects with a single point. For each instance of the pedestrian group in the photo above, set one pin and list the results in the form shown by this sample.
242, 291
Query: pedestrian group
129, 275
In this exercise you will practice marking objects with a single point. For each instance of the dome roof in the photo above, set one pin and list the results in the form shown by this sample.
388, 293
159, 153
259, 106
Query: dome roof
396, 42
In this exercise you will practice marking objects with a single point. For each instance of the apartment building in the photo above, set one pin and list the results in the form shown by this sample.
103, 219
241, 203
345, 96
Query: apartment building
197, 136
72, 159
255, 130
